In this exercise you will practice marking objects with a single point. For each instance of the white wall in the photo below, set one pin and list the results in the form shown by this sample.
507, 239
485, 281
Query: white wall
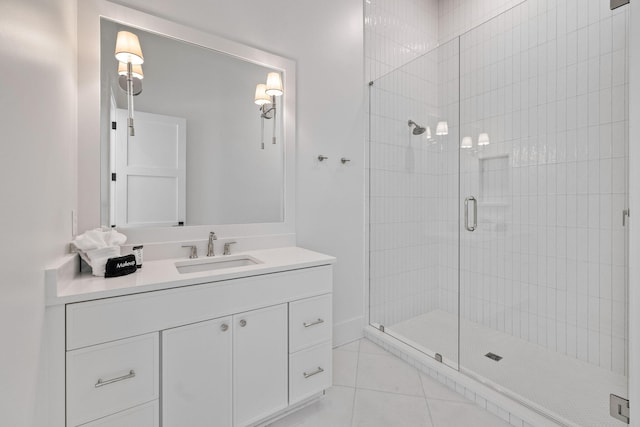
325, 38
37, 186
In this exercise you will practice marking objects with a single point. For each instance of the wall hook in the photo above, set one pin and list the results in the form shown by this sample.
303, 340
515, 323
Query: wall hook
322, 158
344, 160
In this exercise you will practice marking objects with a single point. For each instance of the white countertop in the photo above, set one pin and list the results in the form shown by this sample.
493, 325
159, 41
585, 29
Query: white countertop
66, 286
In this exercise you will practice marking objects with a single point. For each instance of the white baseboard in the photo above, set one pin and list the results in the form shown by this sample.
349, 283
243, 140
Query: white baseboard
348, 330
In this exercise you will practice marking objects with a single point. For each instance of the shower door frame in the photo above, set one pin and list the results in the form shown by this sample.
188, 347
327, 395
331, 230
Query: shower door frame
633, 269
447, 359
634, 206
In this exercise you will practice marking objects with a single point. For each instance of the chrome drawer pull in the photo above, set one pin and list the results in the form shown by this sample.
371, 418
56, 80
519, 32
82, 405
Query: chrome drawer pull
316, 372
317, 322
102, 382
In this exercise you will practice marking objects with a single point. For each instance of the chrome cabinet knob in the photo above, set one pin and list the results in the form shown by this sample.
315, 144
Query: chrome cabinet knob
243, 323
224, 327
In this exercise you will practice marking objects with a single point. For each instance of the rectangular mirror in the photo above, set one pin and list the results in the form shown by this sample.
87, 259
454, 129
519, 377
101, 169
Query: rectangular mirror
203, 153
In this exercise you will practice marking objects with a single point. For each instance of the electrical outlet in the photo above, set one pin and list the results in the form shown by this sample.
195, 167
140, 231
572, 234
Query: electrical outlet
74, 223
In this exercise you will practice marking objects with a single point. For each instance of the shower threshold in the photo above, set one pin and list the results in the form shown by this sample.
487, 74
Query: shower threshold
565, 389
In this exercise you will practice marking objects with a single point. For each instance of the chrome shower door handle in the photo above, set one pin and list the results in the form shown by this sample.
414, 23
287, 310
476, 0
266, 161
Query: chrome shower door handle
466, 213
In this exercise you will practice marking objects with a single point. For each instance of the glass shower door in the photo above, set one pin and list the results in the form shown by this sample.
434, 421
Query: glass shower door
542, 177
413, 194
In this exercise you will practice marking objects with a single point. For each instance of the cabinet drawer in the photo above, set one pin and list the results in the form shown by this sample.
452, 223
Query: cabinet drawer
309, 322
110, 319
309, 372
141, 416
108, 378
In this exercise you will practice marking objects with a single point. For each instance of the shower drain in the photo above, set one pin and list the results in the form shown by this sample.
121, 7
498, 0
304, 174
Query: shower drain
493, 356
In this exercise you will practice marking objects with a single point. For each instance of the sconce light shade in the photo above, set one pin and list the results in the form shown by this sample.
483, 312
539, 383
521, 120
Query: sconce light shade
467, 142
128, 48
274, 84
483, 139
428, 132
136, 70
261, 95
442, 129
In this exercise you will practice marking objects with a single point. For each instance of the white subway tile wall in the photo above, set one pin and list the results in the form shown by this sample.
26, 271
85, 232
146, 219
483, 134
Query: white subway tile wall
448, 199
403, 188
397, 31
546, 80
459, 16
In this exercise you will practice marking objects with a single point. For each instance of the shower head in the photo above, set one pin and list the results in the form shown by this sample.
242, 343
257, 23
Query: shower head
417, 130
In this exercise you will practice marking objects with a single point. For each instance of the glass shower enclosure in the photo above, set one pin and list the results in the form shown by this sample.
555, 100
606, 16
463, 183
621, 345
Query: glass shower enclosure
497, 200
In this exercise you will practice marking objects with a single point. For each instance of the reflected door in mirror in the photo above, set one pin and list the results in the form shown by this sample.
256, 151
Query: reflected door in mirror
150, 170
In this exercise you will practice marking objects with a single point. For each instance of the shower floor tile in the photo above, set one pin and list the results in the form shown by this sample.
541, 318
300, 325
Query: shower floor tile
373, 388
573, 389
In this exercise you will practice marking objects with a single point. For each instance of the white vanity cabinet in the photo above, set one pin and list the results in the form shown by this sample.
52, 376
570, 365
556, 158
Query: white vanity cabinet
232, 353
260, 365
108, 378
310, 324
202, 363
196, 374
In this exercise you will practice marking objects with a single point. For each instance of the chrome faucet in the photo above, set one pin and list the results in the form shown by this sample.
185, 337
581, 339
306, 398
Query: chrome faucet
212, 237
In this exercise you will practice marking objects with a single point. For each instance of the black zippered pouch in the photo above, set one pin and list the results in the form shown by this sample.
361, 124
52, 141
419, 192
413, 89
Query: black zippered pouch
120, 266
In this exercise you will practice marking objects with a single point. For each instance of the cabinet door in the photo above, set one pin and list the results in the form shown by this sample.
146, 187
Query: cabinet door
196, 374
260, 364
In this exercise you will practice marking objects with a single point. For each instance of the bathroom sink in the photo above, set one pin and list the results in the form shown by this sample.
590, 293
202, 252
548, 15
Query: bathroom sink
217, 263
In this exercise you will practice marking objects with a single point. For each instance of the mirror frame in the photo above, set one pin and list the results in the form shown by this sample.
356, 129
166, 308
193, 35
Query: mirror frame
89, 14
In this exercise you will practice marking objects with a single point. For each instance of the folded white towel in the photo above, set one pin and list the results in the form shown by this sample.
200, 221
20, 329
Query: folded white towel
99, 258
98, 238
97, 246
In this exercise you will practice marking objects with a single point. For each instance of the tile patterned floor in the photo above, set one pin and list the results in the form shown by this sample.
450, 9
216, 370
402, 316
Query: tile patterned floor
579, 390
373, 388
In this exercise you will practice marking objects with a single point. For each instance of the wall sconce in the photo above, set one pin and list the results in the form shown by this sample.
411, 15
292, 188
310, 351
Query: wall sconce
136, 73
467, 142
442, 129
129, 52
483, 139
265, 97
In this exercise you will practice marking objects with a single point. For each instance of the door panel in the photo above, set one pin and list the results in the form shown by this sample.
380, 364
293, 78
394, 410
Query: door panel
196, 374
260, 370
150, 170
539, 315
413, 203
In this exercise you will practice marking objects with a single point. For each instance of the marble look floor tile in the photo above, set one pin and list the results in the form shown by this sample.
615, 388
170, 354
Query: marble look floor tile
384, 372
434, 389
456, 414
352, 346
369, 347
345, 365
379, 409
334, 410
